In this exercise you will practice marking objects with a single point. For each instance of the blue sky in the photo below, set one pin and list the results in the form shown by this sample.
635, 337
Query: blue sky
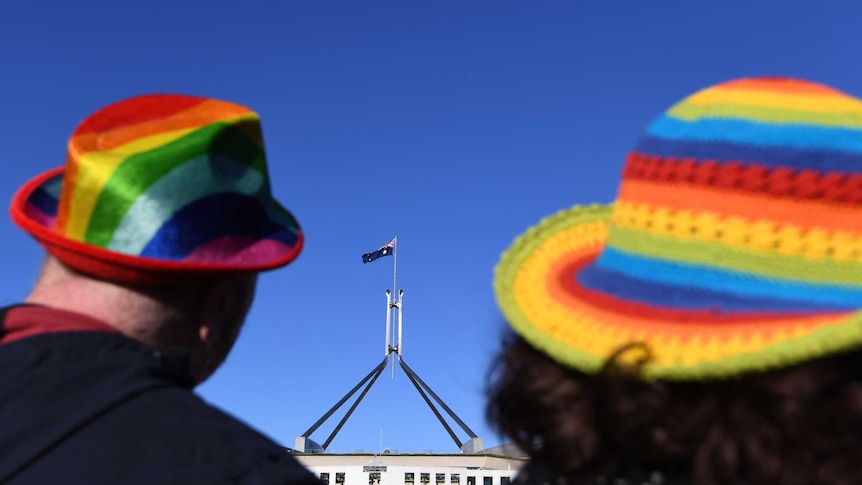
455, 125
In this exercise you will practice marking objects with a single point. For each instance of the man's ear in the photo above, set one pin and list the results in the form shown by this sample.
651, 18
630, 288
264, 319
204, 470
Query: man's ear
204, 332
225, 305
214, 307
223, 309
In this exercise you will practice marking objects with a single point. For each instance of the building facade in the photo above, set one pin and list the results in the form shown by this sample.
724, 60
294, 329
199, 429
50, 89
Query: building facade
407, 469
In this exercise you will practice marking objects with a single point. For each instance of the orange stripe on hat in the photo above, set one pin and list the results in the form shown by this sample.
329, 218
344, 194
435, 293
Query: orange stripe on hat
805, 214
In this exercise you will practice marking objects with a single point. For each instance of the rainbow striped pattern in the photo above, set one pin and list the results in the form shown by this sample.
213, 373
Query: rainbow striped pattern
165, 182
734, 245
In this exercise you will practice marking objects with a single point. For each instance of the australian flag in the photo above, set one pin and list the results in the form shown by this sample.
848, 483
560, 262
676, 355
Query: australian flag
388, 249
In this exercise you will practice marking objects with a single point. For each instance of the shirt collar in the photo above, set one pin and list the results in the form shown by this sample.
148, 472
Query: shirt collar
27, 320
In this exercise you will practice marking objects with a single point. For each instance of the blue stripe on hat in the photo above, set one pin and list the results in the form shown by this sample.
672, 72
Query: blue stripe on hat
44, 201
767, 135
210, 218
824, 160
666, 283
685, 298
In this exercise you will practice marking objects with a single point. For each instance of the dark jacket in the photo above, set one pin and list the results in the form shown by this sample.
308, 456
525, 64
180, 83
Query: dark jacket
87, 405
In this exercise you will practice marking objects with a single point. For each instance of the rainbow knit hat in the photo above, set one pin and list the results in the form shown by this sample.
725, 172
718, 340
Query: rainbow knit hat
158, 189
734, 244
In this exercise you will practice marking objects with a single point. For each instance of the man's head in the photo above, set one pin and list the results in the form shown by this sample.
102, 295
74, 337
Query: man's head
204, 317
160, 221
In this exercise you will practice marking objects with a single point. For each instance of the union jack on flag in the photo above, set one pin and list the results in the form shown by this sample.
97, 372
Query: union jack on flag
387, 249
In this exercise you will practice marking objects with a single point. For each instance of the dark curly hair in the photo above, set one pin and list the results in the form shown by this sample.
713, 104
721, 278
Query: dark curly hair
796, 425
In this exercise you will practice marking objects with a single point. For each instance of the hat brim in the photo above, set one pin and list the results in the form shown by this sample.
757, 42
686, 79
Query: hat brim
34, 210
537, 288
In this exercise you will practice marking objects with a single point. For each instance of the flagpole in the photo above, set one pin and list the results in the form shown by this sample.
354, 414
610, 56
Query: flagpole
394, 294
395, 266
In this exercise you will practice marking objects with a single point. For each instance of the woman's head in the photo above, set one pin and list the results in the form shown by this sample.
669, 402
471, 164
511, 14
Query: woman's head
707, 322
798, 425
734, 244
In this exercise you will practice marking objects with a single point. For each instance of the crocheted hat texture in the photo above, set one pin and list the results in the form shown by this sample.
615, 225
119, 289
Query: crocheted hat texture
734, 244
161, 188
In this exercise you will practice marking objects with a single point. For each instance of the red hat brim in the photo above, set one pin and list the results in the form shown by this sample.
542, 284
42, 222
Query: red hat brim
115, 266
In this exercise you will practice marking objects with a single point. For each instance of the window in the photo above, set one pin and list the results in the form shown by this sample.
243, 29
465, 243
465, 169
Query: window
487, 480
471, 480
425, 477
408, 478
455, 478
324, 477
440, 478
339, 477
505, 480
373, 478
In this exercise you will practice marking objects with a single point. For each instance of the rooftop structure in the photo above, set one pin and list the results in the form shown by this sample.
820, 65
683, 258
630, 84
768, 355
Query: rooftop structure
470, 465
392, 352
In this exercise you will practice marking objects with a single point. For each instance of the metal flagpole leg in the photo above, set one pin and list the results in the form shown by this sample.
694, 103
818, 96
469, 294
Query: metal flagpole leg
413, 377
388, 348
442, 404
329, 413
400, 303
378, 370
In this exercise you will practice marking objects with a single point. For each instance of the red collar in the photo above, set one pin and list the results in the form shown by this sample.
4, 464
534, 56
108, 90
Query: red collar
29, 320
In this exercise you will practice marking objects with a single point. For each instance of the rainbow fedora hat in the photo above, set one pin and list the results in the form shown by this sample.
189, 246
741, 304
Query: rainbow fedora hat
734, 244
158, 189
